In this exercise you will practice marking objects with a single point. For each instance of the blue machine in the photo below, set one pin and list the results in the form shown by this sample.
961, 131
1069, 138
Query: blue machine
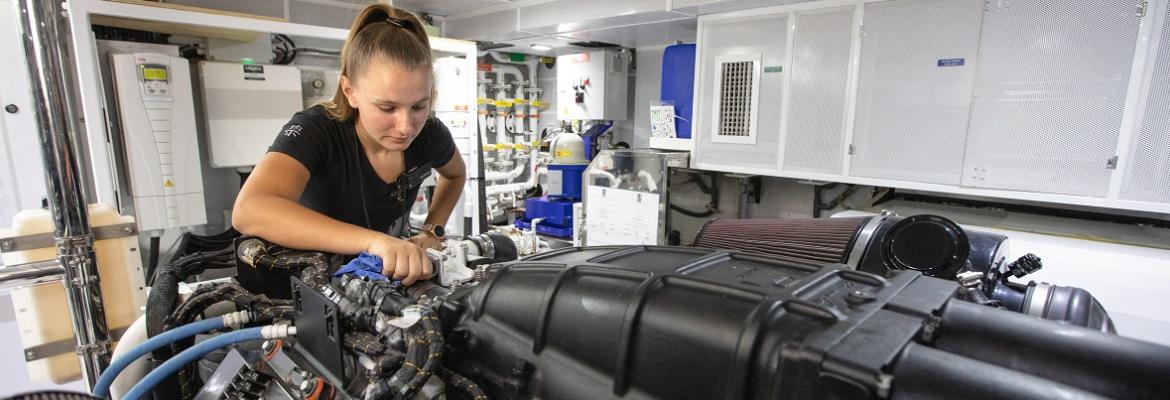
556, 208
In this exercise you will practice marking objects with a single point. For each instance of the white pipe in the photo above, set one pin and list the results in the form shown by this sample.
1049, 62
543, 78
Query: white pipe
135, 335
529, 64
509, 175
648, 180
519, 110
501, 120
504, 70
515, 187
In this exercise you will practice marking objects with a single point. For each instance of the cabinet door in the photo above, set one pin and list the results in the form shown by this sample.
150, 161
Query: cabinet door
1148, 175
914, 89
815, 135
1049, 95
741, 93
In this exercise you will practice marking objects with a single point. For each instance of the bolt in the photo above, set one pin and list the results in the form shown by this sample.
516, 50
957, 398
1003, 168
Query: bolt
11, 108
857, 297
268, 345
307, 386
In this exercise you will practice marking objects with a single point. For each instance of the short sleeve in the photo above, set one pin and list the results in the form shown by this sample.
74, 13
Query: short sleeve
437, 146
302, 138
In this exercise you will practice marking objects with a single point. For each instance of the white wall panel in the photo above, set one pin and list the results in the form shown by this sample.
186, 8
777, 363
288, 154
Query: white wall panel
913, 97
816, 105
764, 35
1049, 95
1148, 177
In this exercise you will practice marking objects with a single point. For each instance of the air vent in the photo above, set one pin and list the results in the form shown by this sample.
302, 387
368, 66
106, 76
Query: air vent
738, 88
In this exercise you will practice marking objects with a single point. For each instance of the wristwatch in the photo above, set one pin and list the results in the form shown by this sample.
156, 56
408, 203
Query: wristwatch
435, 230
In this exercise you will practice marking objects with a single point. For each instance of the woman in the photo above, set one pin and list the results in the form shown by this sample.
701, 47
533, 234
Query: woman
336, 177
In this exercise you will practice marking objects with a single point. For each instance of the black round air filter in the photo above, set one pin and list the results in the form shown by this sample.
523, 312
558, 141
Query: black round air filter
813, 239
927, 243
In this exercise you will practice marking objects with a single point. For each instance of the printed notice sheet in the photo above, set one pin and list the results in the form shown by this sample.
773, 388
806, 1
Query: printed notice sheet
620, 217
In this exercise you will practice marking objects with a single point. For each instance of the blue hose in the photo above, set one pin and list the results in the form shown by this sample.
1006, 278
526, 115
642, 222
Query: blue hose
102, 387
188, 356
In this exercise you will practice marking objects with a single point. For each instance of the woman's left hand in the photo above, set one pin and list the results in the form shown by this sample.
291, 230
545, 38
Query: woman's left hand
426, 241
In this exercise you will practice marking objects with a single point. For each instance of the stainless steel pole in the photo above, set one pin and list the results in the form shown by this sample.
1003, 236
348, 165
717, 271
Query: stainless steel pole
12, 276
48, 45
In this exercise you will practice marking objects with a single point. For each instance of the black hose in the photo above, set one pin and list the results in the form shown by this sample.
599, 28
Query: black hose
461, 383
152, 258
695, 214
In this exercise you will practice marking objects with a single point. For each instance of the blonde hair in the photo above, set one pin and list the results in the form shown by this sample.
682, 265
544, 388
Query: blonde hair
381, 31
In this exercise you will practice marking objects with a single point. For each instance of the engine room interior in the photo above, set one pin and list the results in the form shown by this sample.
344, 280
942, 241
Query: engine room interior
556, 199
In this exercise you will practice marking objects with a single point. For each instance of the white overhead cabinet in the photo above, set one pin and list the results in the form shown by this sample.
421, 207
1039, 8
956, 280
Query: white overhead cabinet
1147, 177
918, 60
1060, 101
1050, 95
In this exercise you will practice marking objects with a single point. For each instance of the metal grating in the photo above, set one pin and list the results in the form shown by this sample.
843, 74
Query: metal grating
917, 66
736, 98
764, 35
1049, 95
816, 121
1148, 177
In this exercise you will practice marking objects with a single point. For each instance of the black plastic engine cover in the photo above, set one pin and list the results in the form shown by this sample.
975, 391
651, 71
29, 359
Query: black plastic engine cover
687, 323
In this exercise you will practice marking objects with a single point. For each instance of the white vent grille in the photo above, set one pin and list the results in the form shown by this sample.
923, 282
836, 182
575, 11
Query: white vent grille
1148, 177
738, 88
914, 89
1049, 95
766, 35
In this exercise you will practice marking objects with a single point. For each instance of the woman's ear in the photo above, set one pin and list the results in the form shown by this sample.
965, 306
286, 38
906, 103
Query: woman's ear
347, 90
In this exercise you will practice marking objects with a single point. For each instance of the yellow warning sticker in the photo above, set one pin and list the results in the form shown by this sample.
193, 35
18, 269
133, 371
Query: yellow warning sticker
502, 146
520, 102
483, 100
169, 183
503, 103
518, 146
488, 147
538, 104
563, 153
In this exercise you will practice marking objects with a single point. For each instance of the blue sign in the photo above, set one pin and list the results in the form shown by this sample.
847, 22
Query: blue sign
951, 62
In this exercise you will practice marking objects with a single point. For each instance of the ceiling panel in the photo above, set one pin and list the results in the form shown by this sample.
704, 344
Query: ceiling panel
448, 8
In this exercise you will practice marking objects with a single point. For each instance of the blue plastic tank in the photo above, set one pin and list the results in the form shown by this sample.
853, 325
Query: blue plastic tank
678, 84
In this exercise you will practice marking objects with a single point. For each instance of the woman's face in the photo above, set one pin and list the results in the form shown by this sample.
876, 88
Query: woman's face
393, 102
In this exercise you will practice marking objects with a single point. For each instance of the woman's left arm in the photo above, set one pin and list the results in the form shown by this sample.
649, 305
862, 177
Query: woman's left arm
448, 187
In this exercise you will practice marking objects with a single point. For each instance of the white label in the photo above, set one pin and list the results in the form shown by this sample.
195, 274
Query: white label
555, 183
620, 217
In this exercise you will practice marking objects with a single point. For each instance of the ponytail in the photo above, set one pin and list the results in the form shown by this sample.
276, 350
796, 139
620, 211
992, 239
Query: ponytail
379, 31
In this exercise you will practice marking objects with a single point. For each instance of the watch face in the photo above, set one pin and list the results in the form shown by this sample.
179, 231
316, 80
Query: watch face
439, 231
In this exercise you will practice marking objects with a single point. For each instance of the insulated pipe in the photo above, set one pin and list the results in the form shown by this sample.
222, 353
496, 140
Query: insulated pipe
47, 43
502, 116
530, 65
518, 109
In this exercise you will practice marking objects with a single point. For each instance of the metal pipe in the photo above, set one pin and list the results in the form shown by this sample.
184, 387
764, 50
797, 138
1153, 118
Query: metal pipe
13, 276
48, 46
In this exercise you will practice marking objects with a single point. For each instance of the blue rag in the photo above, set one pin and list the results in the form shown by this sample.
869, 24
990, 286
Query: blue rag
366, 265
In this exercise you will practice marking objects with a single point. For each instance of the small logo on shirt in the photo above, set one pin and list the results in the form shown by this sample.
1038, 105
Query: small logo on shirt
293, 131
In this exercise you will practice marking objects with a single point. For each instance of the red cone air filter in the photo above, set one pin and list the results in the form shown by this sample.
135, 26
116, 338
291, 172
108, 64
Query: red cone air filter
813, 239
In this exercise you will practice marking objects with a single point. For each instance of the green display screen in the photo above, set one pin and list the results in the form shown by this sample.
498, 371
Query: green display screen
154, 74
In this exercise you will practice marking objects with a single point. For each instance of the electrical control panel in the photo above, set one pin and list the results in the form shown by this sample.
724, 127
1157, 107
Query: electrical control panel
157, 117
593, 85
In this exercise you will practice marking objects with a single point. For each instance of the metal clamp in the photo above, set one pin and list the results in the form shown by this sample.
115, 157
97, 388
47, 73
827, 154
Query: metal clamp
42, 240
65, 346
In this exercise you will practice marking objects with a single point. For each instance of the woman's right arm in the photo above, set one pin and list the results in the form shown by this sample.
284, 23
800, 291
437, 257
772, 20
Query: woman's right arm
267, 207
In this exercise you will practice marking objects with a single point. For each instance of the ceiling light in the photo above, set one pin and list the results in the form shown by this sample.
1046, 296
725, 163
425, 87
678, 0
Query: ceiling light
541, 47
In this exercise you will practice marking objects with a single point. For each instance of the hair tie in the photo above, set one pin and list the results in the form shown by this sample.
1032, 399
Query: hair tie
401, 23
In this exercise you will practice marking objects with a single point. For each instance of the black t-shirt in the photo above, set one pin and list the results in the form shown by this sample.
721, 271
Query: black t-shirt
330, 150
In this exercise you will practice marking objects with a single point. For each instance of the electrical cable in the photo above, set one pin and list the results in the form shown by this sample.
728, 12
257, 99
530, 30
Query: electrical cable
197, 352
101, 388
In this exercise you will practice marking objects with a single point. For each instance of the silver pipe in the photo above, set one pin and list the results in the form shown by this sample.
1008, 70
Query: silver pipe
48, 46
13, 276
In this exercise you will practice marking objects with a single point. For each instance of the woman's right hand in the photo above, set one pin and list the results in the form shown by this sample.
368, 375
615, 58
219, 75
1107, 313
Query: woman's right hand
401, 259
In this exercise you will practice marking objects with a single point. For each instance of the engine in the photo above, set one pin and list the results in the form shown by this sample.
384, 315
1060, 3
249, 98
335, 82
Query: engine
641, 322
